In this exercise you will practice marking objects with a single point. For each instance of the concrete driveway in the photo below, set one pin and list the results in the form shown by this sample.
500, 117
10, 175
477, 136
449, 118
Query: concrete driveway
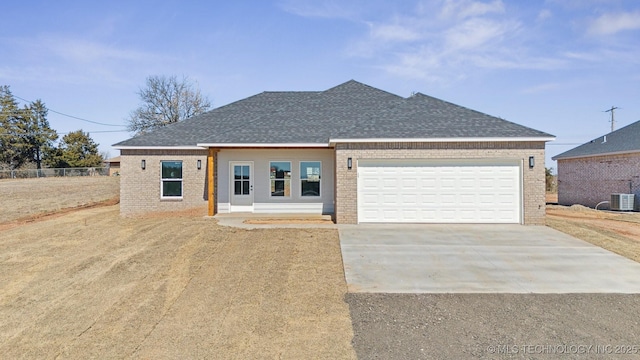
479, 259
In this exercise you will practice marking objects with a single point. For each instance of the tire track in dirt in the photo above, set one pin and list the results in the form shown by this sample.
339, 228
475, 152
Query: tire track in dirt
87, 283
55, 214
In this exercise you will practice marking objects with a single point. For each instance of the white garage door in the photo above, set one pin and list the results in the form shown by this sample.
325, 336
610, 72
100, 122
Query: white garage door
439, 192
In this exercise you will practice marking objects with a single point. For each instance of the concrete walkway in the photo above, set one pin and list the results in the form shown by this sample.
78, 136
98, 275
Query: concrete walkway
274, 221
479, 259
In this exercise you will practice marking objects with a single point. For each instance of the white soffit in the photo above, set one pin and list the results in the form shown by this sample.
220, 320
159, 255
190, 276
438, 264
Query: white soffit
126, 147
264, 145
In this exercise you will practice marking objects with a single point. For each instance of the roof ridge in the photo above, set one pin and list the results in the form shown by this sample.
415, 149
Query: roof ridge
288, 92
472, 110
617, 141
349, 110
358, 83
622, 128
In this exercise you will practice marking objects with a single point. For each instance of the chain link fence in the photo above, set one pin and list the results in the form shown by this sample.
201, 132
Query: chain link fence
53, 172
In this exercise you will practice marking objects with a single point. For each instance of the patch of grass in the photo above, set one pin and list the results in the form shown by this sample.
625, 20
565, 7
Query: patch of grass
618, 233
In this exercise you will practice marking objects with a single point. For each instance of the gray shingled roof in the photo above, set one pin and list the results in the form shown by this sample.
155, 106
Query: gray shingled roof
626, 139
349, 111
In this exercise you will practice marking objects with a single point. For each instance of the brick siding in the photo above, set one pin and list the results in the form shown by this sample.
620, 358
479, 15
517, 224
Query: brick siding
140, 189
590, 180
533, 179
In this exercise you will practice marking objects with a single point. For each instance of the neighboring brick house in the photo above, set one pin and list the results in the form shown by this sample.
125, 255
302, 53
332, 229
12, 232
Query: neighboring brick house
353, 151
113, 165
610, 164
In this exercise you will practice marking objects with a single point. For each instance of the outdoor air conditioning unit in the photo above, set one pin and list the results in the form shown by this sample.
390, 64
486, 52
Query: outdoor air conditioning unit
622, 202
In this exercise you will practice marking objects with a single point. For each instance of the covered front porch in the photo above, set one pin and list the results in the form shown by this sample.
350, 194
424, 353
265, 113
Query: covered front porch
270, 181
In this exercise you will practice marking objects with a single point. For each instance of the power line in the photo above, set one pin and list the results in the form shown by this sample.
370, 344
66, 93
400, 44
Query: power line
63, 114
108, 131
13, 133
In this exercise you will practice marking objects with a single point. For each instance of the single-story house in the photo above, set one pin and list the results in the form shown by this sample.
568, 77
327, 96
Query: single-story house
113, 165
609, 164
356, 152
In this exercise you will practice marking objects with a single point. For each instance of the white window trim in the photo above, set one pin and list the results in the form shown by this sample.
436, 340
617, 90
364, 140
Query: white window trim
300, 179
181, 180
290, 180
232, 180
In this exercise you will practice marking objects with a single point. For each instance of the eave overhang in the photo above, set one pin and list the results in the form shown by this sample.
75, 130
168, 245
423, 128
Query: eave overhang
596, 155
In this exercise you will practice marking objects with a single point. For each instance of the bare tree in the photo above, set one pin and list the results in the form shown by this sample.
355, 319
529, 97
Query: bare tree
166, 100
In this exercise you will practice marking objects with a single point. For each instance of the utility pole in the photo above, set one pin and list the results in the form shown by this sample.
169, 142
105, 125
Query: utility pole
613, 120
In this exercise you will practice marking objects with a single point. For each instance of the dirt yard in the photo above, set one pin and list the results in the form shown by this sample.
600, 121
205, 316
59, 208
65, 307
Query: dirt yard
615, 231
78, 281
91, 284
23, 199
85, 283
551, 198
495, 326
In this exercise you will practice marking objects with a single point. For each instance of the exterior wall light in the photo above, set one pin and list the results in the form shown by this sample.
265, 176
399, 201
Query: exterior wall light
143, 164
199, 164
532, 162
349, 163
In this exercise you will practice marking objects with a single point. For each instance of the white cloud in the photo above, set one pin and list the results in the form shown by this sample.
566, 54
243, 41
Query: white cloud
417, 64
447, 41
610, 23
541, 88
544, 14
463, 9
581, 4
582, 56
476, 32
48, 74
394, 32
453, 39
436, 65
75, 50
74, 60
613, 56
83, 51
506, 59
321, 9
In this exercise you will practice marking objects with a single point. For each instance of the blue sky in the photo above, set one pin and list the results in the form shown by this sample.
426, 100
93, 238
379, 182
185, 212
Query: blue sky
554, 65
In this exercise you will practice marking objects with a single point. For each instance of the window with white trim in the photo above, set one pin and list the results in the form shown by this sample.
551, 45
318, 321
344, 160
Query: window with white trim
310, 172
280, 176
171, 179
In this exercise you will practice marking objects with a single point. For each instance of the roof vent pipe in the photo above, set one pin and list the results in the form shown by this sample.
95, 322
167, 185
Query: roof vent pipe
604, 139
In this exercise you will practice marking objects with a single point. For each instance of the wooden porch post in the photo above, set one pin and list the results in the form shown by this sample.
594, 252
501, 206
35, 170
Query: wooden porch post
210, 182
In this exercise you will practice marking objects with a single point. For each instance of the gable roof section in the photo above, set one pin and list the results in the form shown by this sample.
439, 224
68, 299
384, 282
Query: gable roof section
350, 111
623, 140
113, 160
